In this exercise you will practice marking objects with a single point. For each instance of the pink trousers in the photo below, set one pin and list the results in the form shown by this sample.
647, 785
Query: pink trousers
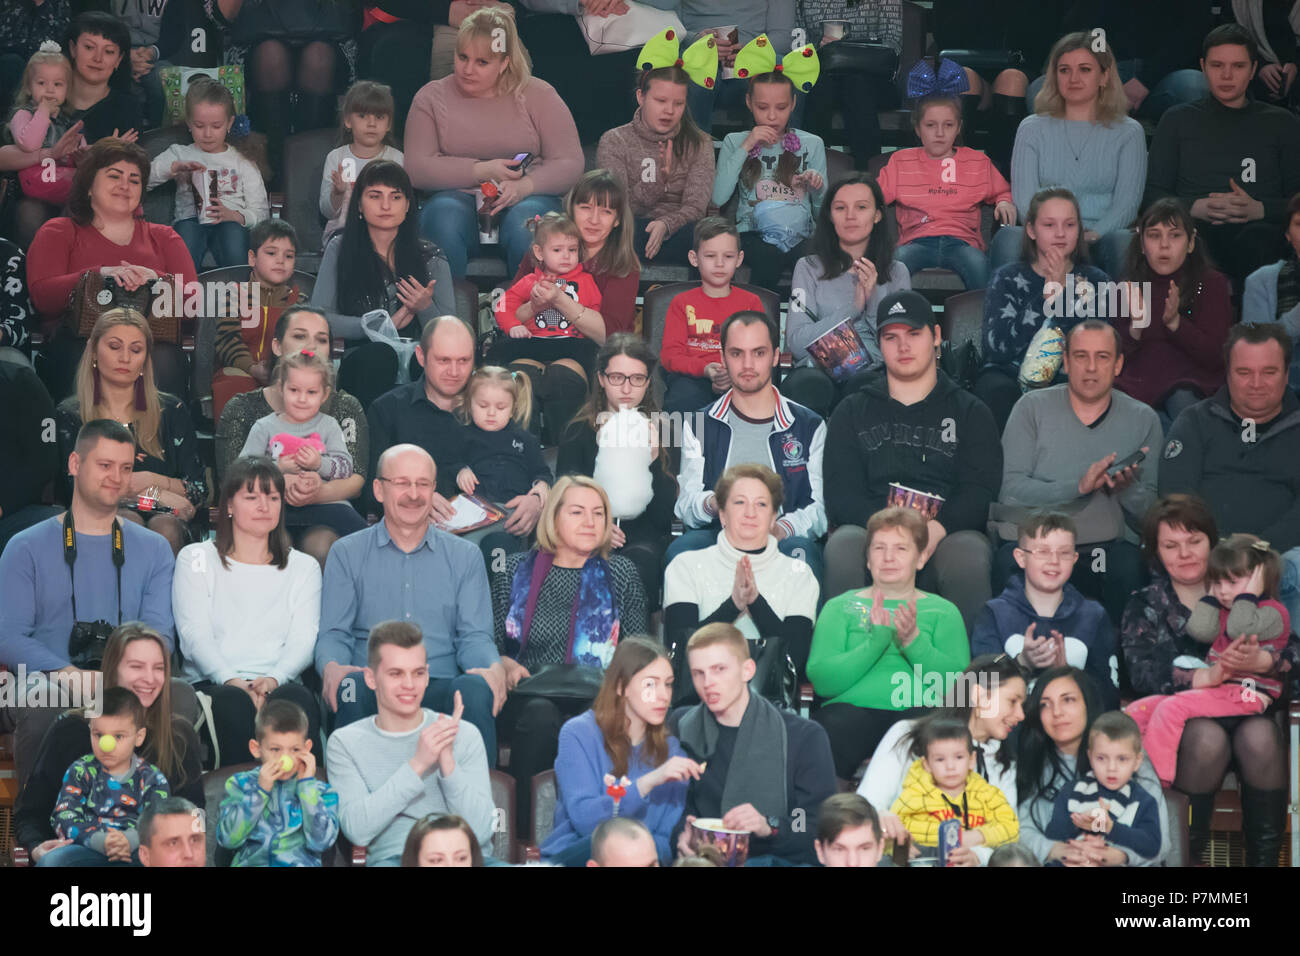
1162, 717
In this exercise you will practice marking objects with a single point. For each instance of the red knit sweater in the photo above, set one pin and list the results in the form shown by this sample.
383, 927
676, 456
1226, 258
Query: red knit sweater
62, 252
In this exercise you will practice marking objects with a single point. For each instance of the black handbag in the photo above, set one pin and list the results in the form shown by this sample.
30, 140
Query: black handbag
562, 681
840, 57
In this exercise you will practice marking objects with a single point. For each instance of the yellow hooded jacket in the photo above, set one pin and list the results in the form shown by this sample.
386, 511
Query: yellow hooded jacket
922, 807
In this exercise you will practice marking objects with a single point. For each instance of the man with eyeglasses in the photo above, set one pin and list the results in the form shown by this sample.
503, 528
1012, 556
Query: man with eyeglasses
1041, 619
404, 569
1059, 450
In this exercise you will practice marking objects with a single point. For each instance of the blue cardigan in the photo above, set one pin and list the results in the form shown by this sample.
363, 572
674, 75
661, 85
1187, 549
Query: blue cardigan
582, 803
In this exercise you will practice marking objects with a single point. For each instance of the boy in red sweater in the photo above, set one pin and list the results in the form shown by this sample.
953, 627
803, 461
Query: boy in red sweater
691, 353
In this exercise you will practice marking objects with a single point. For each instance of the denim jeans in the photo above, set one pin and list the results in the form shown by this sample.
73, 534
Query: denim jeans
688, 393
228, 242
76, 855
946, 252
439, 696
450, 219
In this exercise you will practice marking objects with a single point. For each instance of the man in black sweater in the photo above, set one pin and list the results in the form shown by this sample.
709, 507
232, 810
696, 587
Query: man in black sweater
1230, 159
27, 445
764, 770
914, 427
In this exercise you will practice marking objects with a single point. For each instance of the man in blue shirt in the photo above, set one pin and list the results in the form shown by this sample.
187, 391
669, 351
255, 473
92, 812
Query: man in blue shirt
405, 569
37, 596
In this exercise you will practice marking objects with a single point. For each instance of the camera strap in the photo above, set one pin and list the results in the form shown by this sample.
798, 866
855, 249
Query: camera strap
70, 556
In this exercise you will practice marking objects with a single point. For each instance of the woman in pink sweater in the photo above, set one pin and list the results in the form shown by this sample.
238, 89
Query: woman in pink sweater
469, 128
102, 232
938, 188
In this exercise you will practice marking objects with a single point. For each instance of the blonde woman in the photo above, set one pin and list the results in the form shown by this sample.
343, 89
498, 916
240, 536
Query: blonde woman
491, 121
559, 610
1080, 137
115, 380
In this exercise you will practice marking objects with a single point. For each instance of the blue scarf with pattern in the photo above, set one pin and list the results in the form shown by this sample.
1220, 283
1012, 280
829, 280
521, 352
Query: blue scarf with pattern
593, 622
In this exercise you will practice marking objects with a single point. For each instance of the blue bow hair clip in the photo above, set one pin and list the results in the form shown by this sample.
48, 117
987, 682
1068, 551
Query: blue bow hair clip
241, 127
923, 81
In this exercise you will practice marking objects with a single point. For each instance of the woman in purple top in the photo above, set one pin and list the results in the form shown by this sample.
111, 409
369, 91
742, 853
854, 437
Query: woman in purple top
621, 745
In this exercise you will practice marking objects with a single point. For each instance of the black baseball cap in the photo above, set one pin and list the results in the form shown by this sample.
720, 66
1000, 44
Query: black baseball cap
905, 308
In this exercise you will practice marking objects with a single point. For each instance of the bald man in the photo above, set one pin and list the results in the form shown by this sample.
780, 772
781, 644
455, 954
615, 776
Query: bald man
623, 841
403, 568
422, 413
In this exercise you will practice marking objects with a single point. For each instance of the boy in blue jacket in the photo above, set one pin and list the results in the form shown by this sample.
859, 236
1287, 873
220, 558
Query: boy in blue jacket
1041, 619
279, 814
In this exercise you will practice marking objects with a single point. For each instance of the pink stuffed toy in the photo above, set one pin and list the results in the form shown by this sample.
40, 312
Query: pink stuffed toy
285, 444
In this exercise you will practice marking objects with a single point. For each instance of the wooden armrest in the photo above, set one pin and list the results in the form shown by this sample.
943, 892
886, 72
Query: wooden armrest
276, 203
358, 856
20, 857
37, 339
806, 693
786, 360
337, 347
530, 853
1293, 713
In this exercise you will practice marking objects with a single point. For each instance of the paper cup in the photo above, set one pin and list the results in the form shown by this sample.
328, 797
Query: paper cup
834, 29
728, 34
489, 226
732, 844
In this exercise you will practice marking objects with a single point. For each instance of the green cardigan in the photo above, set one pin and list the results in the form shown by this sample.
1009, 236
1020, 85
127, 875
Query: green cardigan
855, 662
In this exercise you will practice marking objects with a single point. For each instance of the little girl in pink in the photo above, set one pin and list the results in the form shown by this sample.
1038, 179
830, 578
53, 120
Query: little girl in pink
35, 123
1242, 621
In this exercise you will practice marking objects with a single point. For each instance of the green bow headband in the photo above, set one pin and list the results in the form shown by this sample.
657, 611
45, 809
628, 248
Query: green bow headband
801, 66
700, 61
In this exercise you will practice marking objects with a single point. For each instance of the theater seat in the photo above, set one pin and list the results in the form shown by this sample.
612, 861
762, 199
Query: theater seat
160, 202
214, 790
304, 164
1178, 809
962, 319
545, 796
503, 845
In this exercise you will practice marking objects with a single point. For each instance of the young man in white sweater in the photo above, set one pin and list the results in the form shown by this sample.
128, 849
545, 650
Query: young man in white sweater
406, 762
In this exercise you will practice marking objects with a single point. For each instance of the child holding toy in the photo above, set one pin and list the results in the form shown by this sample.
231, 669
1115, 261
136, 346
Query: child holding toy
302, 438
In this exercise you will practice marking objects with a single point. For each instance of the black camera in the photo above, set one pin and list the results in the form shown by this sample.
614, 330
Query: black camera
86, 644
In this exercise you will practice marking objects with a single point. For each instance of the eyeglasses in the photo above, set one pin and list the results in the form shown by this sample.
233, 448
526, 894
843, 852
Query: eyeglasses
403, 485
1046, 554
618, 378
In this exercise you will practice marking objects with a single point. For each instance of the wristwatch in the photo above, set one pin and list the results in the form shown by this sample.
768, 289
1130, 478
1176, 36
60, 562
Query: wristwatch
775, 823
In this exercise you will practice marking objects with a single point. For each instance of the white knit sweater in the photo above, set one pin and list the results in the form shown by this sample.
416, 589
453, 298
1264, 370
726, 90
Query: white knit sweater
705, 578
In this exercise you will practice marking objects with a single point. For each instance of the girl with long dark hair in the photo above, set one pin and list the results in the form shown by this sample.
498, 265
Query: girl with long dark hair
851, 268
